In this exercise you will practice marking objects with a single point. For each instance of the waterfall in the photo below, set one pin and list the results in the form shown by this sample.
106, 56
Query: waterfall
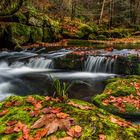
40, 63
35, 63
100, 64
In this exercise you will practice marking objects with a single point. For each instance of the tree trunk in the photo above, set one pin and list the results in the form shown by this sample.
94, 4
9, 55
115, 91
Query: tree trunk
102, 11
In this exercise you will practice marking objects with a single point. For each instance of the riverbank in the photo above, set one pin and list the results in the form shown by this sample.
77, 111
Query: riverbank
124, 43
27, 118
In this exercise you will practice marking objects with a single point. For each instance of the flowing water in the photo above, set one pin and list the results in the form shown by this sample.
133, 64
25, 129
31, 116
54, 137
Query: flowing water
30, 72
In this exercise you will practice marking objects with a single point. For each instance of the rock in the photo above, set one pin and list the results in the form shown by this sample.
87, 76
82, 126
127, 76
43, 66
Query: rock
121, 96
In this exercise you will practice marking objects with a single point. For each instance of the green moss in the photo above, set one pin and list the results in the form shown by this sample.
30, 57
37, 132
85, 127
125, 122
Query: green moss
36, 34
120, 87
93, 122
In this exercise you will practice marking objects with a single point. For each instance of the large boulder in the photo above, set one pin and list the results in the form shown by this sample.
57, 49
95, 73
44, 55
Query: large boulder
121, 96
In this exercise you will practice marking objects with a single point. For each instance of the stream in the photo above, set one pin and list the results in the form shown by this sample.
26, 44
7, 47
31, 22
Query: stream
31, 72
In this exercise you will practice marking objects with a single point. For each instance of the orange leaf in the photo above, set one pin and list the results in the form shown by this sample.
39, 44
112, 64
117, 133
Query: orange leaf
102, 137
31, 100
62, 115
4, 112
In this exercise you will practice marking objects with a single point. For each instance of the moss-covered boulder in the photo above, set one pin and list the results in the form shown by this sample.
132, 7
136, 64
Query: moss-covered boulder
36, 117
121, 96
76, 30
129, 65
69, 62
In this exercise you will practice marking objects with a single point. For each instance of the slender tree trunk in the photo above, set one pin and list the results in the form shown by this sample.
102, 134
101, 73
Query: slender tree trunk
102, 11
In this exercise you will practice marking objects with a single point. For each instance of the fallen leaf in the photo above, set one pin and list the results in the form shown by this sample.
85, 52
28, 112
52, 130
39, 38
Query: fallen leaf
66, 138
53, 126
44, 120
37, 106
10, 123
62, 115
41, 133
46, 110
75, 131
56, 110
9, 130
26, 132
102, 137
4, 112
31, 100
18, 127
83, 107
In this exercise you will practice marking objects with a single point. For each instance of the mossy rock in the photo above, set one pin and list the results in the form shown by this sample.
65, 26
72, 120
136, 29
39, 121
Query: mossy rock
121, 96
15, 34
18, 34
69, 62
95, 122
36, 34
129, 65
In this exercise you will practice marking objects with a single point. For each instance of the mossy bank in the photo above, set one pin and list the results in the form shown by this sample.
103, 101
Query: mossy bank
95, 122
121, 96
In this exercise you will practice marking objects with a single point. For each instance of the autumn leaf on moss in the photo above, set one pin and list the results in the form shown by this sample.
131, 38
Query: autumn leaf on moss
83, 107
76, 131
31, 100
102, 137
4, 112
120, 122
62, 115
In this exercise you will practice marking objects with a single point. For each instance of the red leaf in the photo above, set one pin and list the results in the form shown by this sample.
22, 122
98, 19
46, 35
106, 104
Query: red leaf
9, 130
102, 137
26, 132
62, 115
37, 106
31, 100
56, 110
41, 133
10, 123
4, 112
19, 126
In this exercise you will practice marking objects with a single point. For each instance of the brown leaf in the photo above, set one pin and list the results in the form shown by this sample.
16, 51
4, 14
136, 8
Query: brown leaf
52, 127
62, 115
37, 106
31, 100
26, 132
41, 133
4, 112
53, 138
120, 122
9, 130
8, 104
66, 123
56, 110
44, 120
66, 138
34, 113
75, 131
102, 137
18, 127
70, 132
48, 98
10, 123
46, 110
83, 107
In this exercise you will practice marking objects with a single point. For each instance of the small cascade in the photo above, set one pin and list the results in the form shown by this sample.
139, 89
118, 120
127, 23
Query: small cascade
100, 64
35, 63
40, 63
